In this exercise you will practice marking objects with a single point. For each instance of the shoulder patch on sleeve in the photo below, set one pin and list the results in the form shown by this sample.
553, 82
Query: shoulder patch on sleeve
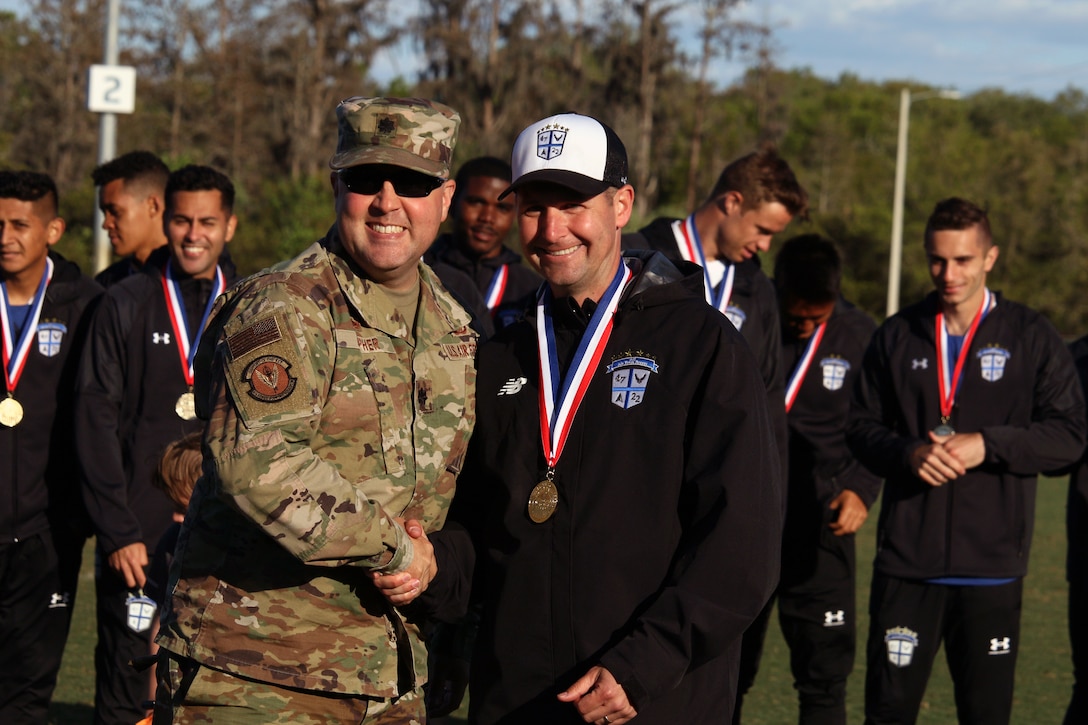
266, 372
269, 378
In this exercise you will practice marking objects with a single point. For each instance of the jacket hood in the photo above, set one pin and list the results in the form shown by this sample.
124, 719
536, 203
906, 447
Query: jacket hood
659, 280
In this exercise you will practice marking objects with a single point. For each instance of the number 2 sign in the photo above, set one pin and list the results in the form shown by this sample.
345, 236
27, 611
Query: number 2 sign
111, 89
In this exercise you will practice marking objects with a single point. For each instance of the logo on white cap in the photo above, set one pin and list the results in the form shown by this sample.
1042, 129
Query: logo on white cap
571, 150
549, 141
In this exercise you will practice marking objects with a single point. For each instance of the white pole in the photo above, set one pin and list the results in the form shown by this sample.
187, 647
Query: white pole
895, 259
107, 137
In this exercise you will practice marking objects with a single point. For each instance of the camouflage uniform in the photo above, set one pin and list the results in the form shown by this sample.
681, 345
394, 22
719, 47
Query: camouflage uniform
325, 422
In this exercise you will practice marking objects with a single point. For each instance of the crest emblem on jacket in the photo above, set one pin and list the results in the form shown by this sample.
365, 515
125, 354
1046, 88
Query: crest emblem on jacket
901, 644
834, 370
735, 315
992, 359
630, 376
549, 141
50, 337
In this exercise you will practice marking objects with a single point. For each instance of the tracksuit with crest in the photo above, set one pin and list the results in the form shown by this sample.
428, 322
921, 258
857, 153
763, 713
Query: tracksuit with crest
951, 559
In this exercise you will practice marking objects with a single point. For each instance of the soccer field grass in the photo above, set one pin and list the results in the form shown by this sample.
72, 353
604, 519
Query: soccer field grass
1044, 670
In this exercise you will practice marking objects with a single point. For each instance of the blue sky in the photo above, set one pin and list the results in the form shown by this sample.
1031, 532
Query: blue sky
1037, 47
1021, 46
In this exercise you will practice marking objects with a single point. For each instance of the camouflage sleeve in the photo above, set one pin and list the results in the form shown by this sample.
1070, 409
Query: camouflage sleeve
273, 370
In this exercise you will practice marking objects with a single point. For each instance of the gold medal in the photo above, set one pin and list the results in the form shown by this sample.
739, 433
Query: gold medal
186, 406
11, 413
543, 501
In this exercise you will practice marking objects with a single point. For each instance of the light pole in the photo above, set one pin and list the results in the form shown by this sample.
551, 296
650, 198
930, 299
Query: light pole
895, 260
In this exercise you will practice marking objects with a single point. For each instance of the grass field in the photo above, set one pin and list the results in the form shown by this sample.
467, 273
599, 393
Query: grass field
1044, 671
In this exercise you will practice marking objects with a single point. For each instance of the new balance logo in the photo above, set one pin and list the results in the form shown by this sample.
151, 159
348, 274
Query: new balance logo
1000, 646
513, 386
834, 619
922, 364
160, 338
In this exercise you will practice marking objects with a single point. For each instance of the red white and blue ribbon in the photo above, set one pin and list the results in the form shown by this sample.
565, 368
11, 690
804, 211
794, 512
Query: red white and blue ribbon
17, 352
560, 400
799, 372
691, 249
948, 384
497, 288
176, 307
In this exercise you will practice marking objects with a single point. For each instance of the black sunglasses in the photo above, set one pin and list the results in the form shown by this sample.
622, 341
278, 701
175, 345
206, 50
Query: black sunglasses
369, 180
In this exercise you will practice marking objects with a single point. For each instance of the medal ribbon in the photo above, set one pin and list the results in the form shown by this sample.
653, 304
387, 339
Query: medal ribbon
948, 385
691, 249
176, 307
497, 288
17, 352
555, 421
799, 372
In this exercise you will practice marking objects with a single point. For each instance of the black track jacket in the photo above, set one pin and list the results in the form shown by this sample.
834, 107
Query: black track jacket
39, 477
821, 464
665, 544
129, 382
1019, 389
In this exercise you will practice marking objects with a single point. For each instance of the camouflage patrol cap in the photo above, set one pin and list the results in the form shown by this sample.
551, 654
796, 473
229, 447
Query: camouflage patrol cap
415, 133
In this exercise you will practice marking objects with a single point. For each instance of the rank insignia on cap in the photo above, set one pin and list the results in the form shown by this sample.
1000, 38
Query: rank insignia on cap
387, 126
269, 379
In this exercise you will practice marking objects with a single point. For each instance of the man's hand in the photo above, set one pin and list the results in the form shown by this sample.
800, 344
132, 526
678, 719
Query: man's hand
968, 448
852, 513
935, 465
599, 698
404, 586
129, 561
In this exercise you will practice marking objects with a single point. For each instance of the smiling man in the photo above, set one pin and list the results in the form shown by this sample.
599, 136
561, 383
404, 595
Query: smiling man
339, 392
135, 395
619, 505
963, 399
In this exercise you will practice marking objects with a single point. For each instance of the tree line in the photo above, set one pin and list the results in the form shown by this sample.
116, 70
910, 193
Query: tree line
249, 86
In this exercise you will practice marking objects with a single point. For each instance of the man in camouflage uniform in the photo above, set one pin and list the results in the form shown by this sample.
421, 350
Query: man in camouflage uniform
341, 398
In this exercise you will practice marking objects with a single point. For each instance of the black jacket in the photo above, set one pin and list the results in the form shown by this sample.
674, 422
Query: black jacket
38, 471
1076, 511
665, 544
521, 285
754, 300
130, 379
821, 465
1019, 389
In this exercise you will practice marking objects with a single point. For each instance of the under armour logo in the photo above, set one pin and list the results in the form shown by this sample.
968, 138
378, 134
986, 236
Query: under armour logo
834, 619
160, 338
1000, 646
513, 386
923, 364
59, 600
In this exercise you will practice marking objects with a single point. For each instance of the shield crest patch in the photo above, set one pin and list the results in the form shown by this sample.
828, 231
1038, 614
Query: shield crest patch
901, 644
992, 360
834, 372
50, 337
630, 377
549, 142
